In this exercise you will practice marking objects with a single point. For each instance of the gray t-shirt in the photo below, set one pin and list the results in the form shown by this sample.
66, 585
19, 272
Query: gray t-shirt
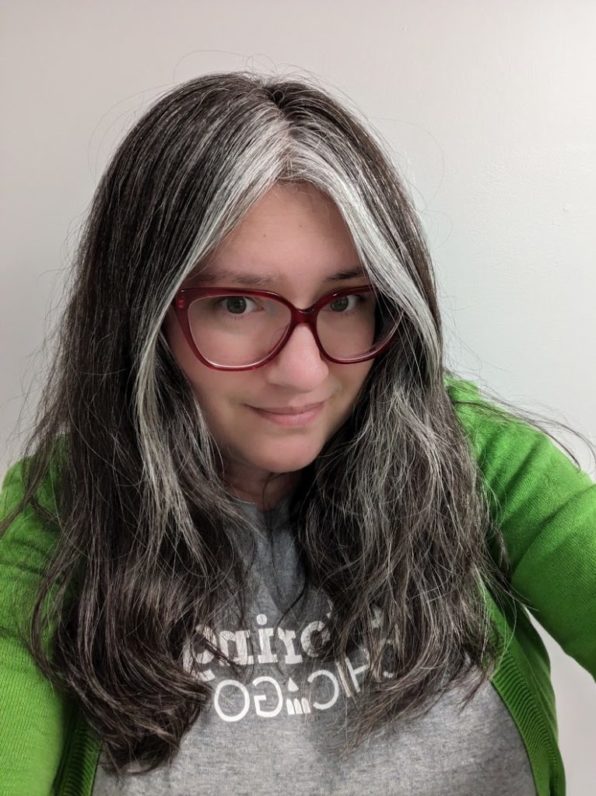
279, 728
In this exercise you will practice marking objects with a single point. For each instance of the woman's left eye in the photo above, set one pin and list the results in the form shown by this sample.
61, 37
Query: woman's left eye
344, 302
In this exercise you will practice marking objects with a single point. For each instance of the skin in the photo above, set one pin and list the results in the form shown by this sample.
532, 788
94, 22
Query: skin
297, 237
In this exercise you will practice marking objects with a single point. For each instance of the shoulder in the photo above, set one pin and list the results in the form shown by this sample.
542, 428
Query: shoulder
478, 414
26, 543
528, 476
35, 717
545, 507
505, 443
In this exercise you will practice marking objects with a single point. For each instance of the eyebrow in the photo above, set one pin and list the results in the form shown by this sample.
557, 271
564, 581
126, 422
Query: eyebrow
261, 280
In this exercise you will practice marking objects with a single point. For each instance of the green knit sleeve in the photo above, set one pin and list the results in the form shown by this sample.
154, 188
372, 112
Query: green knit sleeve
34, 718
546, 510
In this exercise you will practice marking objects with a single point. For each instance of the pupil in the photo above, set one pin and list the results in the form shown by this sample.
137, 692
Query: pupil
237, 304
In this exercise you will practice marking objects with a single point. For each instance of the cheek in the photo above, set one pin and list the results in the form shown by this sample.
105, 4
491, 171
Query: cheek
195, 372
354, 379
177, 342
213, 390
200, 376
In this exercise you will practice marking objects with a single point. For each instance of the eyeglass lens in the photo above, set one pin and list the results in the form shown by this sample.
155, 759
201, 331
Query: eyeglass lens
237, 330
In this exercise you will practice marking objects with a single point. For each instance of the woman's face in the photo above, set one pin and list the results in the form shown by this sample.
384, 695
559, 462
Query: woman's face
295, 239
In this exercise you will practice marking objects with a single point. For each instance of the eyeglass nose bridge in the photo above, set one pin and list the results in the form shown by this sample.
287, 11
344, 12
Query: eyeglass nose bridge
299, 316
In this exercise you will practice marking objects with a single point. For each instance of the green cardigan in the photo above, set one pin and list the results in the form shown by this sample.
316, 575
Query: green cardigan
546, 509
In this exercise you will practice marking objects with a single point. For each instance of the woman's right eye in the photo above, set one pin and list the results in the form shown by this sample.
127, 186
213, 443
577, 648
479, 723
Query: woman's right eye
235, 305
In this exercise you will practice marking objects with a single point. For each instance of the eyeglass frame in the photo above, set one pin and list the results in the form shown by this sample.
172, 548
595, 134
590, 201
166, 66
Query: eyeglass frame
186, 295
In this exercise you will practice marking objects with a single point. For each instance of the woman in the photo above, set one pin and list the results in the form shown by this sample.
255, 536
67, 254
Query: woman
262, 538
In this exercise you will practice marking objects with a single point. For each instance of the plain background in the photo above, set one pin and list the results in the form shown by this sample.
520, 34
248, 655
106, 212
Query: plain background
488, 109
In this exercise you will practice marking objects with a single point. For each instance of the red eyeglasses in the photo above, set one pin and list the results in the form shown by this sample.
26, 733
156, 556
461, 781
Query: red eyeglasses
234, 329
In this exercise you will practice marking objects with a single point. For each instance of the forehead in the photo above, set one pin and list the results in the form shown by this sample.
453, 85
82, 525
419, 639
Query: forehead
293, 232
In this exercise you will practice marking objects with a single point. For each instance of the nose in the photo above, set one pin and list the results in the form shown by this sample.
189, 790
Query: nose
299, 364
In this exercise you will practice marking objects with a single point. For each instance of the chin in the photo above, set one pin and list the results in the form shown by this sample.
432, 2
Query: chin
287, 461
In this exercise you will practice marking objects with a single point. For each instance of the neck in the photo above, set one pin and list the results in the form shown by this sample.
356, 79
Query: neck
264, 492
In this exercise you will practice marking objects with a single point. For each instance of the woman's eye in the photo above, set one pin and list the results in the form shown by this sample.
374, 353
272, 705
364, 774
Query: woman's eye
236, 305
344, 303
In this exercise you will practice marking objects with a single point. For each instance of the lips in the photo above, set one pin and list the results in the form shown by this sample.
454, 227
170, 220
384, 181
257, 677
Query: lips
291, 417
290, 410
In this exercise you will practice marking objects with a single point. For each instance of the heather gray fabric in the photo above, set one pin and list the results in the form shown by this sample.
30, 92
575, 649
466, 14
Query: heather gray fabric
279, 728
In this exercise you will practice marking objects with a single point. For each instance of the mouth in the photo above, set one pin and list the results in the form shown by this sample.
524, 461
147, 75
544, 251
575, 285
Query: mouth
291, 416
290, 410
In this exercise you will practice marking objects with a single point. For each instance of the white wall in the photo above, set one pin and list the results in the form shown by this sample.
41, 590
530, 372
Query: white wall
488, 107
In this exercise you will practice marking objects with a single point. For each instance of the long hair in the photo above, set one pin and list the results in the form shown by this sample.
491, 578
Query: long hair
393, 509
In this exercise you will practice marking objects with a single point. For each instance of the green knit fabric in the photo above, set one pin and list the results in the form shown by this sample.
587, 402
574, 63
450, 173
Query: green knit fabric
546, 510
